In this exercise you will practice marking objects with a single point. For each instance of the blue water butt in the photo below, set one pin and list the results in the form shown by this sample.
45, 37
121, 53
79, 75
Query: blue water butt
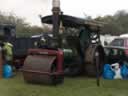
107, 72
7, 71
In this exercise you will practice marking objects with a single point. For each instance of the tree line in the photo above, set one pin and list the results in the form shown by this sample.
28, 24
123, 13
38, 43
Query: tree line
114, 24
23, 29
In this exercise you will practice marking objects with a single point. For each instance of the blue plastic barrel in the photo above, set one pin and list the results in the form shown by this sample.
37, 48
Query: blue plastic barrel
7, 71
107, 72
124, 71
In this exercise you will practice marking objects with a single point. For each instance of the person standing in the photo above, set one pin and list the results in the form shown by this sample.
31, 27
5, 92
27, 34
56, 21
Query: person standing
8, 52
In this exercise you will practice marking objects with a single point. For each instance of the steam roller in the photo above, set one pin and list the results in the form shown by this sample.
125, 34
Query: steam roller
81, 51
44, 66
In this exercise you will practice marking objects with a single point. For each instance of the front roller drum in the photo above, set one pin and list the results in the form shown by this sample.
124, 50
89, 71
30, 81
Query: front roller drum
41, 69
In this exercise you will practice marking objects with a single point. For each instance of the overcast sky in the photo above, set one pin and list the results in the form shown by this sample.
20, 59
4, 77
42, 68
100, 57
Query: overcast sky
30, 9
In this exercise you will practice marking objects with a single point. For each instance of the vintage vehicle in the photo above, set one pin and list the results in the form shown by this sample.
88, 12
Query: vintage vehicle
74, 49
7, 30
117, 50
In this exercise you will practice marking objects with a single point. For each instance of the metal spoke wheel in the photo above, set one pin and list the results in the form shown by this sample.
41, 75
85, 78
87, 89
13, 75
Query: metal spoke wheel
94, 59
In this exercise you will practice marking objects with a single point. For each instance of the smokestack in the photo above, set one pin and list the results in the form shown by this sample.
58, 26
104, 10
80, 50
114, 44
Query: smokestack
56, 3
55, 18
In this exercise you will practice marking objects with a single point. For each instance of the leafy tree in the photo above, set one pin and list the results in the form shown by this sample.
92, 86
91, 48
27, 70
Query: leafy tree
116, 24
22, 27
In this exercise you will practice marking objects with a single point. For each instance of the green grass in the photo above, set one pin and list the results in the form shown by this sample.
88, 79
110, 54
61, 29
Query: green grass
79, 86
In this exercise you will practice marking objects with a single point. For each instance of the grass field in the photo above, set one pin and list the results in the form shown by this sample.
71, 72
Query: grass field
79, 86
